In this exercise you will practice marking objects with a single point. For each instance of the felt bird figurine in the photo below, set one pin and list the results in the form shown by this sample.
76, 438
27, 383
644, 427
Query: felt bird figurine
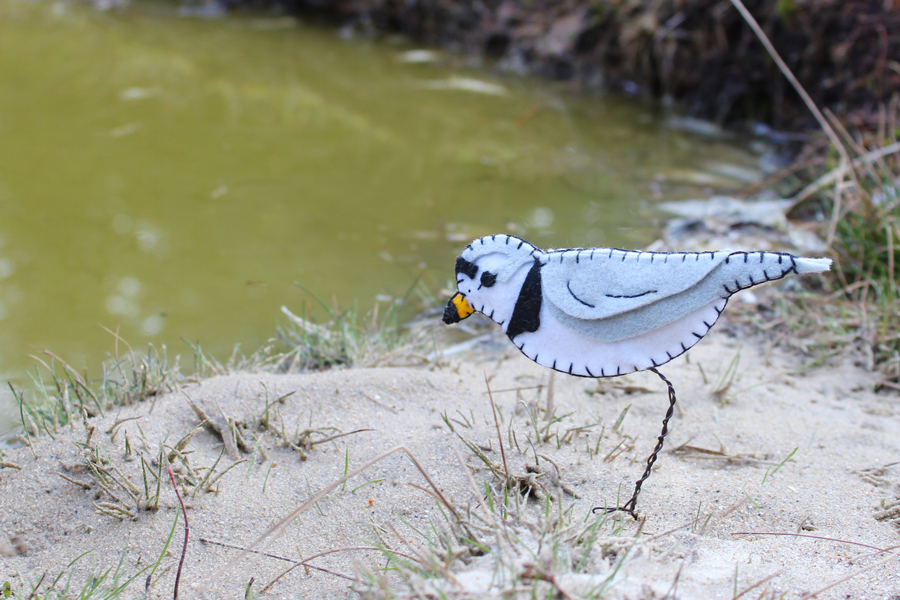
603, 312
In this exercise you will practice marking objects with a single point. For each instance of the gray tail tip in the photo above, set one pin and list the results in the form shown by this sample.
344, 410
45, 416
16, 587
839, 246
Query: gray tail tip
812, 265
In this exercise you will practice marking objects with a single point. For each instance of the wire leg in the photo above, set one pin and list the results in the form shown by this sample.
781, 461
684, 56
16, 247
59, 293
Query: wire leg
631, 506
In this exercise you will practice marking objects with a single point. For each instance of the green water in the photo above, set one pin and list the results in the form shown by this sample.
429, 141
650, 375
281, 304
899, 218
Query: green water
173, 176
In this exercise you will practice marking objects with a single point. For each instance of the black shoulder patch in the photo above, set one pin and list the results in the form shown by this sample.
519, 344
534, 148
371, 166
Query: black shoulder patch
526, 314
466, 267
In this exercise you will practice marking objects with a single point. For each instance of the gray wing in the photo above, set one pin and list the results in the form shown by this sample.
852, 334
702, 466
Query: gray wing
600, 283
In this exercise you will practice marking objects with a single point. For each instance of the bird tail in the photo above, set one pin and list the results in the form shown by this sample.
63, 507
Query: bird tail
746, 269
812, 265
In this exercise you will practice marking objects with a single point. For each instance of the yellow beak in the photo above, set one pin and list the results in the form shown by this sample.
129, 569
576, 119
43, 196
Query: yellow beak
458, 308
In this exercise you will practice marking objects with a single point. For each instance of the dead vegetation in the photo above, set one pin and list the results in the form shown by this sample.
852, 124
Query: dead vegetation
700, 54
110, 477
854, 315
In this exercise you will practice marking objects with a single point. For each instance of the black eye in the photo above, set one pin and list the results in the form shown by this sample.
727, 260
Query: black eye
488, 279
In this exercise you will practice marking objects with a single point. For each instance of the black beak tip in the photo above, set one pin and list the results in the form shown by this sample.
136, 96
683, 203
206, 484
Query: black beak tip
451, 315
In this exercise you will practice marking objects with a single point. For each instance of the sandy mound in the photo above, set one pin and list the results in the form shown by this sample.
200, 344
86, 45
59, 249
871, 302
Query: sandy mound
729, 475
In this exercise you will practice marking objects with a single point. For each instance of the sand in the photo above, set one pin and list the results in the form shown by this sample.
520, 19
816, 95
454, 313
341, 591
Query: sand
702, 513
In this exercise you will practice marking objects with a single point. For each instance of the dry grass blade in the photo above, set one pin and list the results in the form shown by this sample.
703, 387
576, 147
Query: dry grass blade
853, 575
497, 425
278, 528
790, 77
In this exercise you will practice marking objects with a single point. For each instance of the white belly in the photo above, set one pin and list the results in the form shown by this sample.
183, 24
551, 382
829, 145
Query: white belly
558, 347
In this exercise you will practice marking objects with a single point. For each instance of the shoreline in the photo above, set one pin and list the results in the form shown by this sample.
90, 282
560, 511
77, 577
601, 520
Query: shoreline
706, 59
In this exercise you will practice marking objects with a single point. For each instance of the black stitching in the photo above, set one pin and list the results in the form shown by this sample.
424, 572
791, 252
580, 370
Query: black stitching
651, 360
577, 298
520, 244
708, 326
588, 371
602, 372
683, 347
570, 367
761, 255
726, 259
669, 354
623, 296
618, 370
697, 335
554, 364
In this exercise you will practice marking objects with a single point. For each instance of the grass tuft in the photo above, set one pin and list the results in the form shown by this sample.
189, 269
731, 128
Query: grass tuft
351, 339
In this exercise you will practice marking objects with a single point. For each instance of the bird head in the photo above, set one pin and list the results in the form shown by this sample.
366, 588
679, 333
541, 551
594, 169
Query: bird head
489, 275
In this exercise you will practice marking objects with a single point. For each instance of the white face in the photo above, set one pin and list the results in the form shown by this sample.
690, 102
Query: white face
486, 293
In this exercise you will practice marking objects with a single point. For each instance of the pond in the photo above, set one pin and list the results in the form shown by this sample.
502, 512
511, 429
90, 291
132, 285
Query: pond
175, 177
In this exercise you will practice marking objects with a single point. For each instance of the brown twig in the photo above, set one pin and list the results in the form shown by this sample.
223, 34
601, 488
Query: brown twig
33, 594
294, 562
814, 537
758, 583
186, 531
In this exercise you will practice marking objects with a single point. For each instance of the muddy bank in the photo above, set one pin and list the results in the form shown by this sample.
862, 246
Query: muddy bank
699, 54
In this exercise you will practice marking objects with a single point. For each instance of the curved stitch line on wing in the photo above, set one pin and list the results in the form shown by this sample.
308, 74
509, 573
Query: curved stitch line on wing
569, 287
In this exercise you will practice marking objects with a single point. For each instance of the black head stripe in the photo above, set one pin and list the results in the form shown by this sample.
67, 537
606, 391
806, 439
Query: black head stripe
488, 279
466, 267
